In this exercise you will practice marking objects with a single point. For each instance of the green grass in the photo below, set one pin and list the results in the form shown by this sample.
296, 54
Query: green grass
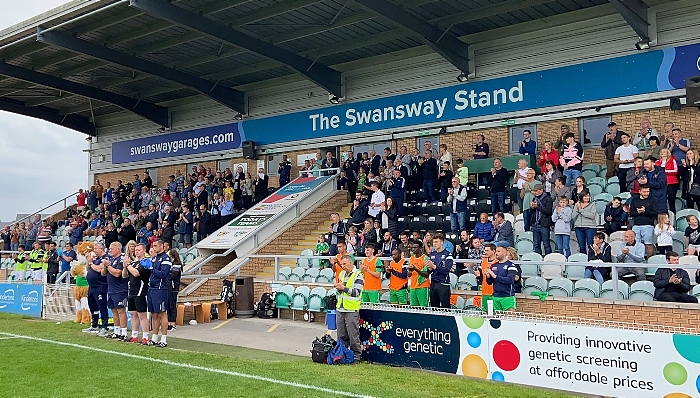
41, 369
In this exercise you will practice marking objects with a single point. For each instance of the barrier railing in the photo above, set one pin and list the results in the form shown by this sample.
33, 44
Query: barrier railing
65, 205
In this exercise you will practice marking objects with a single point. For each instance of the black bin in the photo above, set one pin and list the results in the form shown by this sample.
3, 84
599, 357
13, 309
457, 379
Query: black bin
244, 297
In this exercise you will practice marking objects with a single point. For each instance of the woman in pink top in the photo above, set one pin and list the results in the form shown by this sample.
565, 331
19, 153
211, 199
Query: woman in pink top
668, 162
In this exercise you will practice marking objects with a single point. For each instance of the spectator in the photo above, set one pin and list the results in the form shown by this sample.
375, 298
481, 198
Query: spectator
481, 149
440, 265
261, 184
585, 221
559, 144
204, 223
667, 134
549, 176
519, 179
672, 284
633, 175
404, 244
549, 154
388, 244
351, 167
430, 175
692, 236
226, 209
664, 234
503, 232
499, 181
611, 141
367, 235
397, 191
614, 216
598, 252
285, 171
654, 148
5, 235
571, 159
691, 175
527, 146
484, 229
624, 158
92, 198
145, 234
167, 233
352, 240
501, 276
462, 172
475, 251
378, 199
678, 145
655, 178
561, 216
180, 181
416, 170
445, 180
389, 216
541, 219
642, 138
457, 198
631, 252
186, 227
247, 190
643, 214
527, 196
337, 231
668, 163
32, 233
44, 235
126, 232
81, 198
374, 162
110, 234
444, 156
147, 181
67, 257
560, 188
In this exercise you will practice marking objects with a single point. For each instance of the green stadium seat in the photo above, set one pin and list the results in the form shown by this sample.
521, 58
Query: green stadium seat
283, 298
587, 288
623, 290
284, 273
459, 305
317, 299
642, 291
561, 287
534, 284
300, 298
297, 274
325, 276
466, 282
311, 275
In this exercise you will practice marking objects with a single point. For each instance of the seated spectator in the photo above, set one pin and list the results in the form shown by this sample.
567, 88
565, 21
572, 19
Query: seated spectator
598, 252
484, 229
672, 284
664, 234
76, 233
562, 225
643, 213
631, 252
692, 235
503, 231
614, 216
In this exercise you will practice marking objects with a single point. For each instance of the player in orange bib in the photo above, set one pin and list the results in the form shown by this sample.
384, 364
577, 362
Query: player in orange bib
486, 262
335, 260
371, 269
397, 273
420, 278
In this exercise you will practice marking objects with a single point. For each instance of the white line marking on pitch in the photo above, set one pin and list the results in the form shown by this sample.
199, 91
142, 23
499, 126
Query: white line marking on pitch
189, 366
7, 338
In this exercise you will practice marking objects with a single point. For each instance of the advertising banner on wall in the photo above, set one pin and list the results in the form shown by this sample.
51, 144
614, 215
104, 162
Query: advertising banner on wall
584, 359
22, 299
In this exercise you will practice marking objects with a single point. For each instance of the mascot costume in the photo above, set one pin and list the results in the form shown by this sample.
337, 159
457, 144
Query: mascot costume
80, 292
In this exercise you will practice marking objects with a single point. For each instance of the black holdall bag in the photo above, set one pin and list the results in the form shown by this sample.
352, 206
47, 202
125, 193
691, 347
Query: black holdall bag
320, 348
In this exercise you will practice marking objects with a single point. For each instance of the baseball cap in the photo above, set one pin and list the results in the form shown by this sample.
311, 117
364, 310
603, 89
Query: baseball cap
612, 124
537, 186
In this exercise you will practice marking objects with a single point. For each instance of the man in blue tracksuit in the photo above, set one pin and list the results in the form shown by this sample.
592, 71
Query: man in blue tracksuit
440, 264
117, 291
502, 276
158, 294
97, 290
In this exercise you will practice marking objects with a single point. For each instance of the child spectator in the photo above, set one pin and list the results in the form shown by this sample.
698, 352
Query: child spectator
323, 249
614, 216
692, 236
462, 172
664, 234
484, 228
352, 240
342, 180
562, 225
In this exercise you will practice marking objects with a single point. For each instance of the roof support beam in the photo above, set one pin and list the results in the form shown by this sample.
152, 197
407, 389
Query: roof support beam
152, 112
322, 75
229, 97
635, 12
74, 122
442, 42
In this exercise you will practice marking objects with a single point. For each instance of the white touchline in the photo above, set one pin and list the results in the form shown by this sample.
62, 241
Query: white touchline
7, 338
189, 366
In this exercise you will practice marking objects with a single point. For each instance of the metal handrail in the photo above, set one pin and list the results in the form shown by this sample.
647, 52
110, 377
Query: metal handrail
230, 250
44, 208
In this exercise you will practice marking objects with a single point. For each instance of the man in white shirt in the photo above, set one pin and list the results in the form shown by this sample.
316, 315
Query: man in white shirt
457, 198
520, 178
624, 158
378, 199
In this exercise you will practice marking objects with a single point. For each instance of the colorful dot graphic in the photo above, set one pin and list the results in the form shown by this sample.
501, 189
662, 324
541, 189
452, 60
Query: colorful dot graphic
375, 331
474, 366
472, 322
697, 383
687, 346
675, 373
474, 340
498, 376
495, 323
506, 355
677, 395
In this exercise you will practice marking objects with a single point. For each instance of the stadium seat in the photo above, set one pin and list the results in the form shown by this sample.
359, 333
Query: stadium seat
587, 288
385, 283
402, 223
446, 225
651, 271
550, 270
617, 236
595, 189
534, 284
433, 209
482, 207
432, 223
642, 291
601, 200
657, 259
681, 218
317, 299
679, 247
613, 180
466, 282
385, 298
283, 298
613, 189
528, 269
416, 224
297, 274
325, 276
596, 181
460, 303
509, 217
524, 236
311, 275
420, 196
591, 166
606, 290
589, 174
573, 246
284, 273
561, 287
453, 281
305, 262
524, 246
574, 272
300, 298
689, 260
696, 291
624, 196
519, 226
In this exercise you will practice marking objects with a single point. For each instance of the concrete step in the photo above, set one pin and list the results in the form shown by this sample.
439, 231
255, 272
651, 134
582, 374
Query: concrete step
299, 248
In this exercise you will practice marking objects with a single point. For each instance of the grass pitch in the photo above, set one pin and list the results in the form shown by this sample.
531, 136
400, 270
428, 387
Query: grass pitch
43, 359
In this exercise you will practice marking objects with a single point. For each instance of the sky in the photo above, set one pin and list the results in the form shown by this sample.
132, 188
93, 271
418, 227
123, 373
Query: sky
40, 162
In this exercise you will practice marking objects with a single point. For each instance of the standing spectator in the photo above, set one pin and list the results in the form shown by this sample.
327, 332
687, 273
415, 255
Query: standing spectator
457, 198
541, 219
642, 138
484, 229
445, 180
147, 181
349, 288
261, 183
633, 174
527, 196
598, 252
180, 181
549, 154
527, 146
614, 216
81, 199
430, 175
92, 198
611, 141
692, 236
397, 191
126, 232
374, 161
571, 159
99, 189
226, 209
285, 171
32, 233
337, 231
440, 265
167, 233
519, 179
502, 276
559, 144
549, 176
481, 151
215, 212
584, 217
672, 284
204, 222
330, 162
406, 160
654, 148
503, 236
378, 198
351, 168
6, 236
445, 156
186, 227
679, 147
562, 225
499, 181
655, 178
624, 158
691, 175
389, 216
358, 210
669, 164
247, 191
664, 234
631, 252
643, 214
462, 172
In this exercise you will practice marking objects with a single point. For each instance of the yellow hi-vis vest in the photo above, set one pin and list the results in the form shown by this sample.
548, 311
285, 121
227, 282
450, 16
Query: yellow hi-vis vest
346, 301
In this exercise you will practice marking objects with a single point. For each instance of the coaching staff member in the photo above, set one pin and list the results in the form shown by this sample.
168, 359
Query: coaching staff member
440, 264
158, 294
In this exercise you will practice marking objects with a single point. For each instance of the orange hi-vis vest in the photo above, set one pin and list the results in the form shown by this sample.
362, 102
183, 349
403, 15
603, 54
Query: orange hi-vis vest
372, 282
486, 289
418, 281
396, 283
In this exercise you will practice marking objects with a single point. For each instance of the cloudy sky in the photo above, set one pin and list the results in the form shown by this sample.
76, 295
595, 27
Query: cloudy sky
40, 162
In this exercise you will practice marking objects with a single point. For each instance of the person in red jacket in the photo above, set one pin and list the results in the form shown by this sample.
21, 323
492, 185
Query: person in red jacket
549, 153
668, 162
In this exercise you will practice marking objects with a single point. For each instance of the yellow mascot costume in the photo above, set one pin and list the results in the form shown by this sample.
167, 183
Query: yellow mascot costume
80, 291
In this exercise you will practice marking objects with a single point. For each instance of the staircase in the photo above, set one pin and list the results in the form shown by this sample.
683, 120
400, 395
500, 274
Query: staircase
307, 242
